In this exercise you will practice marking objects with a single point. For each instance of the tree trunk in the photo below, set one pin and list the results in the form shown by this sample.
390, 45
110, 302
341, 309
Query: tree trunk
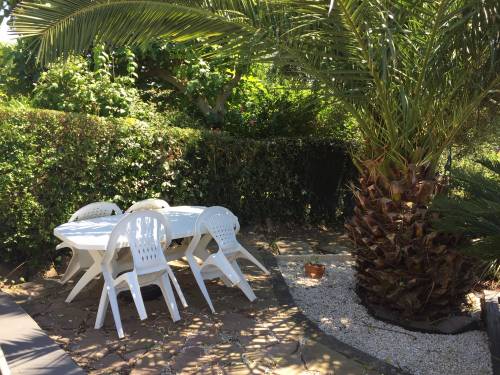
214, 114
223, 96
402, 264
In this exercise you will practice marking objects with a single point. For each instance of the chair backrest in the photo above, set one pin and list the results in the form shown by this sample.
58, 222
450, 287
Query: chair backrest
148, 204
97, 209
144, 231
222, 225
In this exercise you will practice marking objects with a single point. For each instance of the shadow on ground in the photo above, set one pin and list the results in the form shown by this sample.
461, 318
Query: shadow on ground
263, 337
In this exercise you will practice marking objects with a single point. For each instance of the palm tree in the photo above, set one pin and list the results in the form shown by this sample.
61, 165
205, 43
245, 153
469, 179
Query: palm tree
412, 73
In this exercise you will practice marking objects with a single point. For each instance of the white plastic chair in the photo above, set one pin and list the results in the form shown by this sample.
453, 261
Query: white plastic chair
222, 226
148, 204
83, 260
144, 231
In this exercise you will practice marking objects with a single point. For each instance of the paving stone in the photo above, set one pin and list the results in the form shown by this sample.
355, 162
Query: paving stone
37, 306
110, 362
173, 345
92, 345
188, 359
203, 340
246, 366
227, 353
145, 371
283, 349
291, 366
69, 318
291, 246
318, 357
133, 357
153, 360
236, 322
144, 343
245, 339
264, 339
254, 242
271, 359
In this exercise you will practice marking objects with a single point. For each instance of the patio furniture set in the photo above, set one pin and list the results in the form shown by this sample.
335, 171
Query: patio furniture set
133, 249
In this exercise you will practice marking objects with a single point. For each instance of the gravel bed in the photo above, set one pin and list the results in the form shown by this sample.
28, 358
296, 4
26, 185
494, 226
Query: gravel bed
333, 304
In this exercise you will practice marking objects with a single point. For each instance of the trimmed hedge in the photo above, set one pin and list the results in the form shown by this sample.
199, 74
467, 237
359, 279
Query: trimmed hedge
52, 163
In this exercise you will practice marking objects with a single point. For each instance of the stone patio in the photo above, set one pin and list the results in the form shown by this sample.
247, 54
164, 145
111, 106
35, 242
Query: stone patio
268, 336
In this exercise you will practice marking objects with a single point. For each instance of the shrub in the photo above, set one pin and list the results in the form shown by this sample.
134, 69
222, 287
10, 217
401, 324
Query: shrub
52, 163
264, 112
72, 87
265, 107
18, 68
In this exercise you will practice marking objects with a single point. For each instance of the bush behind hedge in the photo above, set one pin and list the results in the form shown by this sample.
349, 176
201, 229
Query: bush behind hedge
52, 163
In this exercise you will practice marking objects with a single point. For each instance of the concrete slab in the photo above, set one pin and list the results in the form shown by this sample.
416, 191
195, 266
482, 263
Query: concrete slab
343, 256
27, 348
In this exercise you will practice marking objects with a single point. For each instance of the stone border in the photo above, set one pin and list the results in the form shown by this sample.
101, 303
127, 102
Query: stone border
27, 348
284, 298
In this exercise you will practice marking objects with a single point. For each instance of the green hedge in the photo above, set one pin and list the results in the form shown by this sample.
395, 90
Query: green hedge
52, 163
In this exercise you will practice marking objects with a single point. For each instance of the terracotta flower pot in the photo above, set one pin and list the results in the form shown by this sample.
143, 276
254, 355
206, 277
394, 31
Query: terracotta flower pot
314, 271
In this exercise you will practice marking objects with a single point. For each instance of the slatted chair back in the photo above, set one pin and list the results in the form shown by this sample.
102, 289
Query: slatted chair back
222, 225
148, 204
145, 232
96, 209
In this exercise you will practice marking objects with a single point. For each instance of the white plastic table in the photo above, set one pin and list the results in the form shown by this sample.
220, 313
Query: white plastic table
93, 235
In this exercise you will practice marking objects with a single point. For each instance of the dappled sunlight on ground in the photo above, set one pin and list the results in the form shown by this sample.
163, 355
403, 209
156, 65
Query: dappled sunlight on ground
240, 338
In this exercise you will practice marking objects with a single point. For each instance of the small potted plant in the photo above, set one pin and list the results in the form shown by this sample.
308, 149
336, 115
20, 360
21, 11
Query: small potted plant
314, 269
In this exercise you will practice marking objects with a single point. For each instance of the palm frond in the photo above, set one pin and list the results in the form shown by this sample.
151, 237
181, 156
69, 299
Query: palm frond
410, 71
475, 213
63, 27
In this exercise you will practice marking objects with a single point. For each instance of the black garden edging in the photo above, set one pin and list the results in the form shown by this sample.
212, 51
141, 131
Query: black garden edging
313, 331
491, 316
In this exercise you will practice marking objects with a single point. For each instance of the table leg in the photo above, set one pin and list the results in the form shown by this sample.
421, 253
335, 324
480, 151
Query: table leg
94, 271
103, 306
73, 267
200, 248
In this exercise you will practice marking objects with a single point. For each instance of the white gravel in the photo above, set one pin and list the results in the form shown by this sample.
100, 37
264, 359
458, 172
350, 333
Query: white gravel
333, 304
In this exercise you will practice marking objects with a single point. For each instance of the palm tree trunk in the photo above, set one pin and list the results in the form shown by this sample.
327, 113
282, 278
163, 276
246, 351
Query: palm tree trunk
401, 263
